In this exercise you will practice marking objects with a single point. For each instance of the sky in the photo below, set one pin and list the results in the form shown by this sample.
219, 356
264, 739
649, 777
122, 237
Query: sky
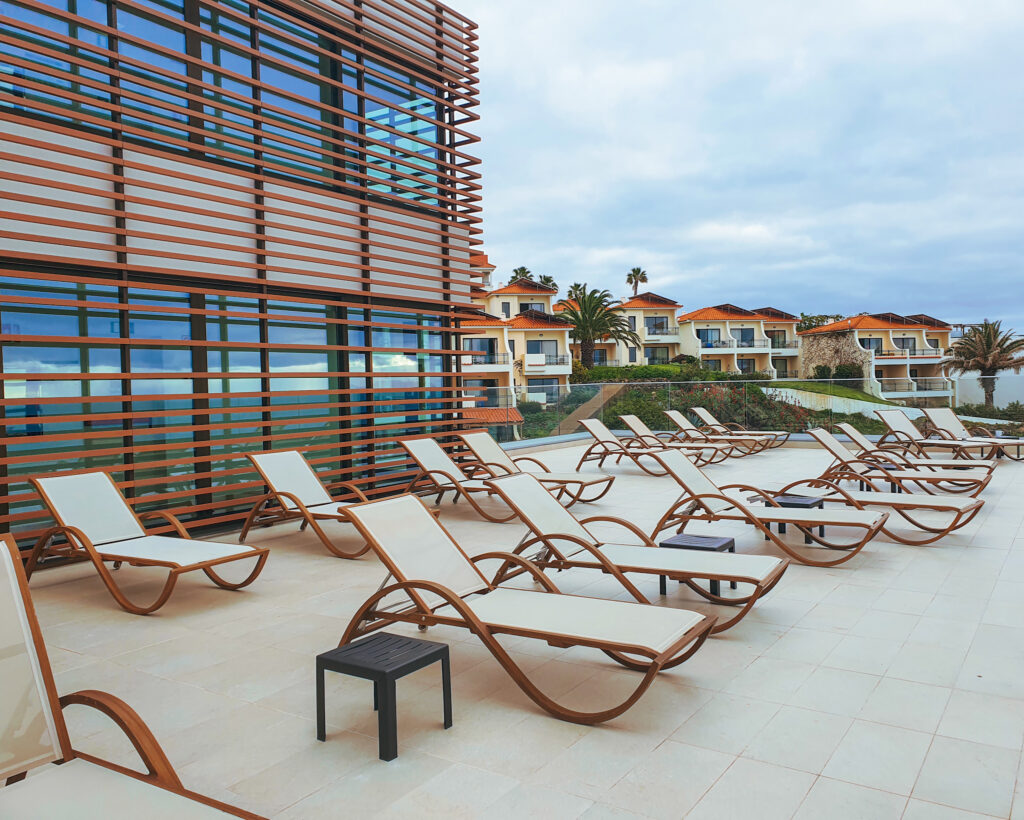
816, 156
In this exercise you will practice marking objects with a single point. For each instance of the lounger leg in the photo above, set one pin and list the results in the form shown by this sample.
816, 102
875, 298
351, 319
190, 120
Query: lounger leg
446, 689
321, 721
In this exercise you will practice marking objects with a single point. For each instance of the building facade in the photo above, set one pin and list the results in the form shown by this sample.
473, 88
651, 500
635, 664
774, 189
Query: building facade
900, 355
736, 340
229, 226
518, 348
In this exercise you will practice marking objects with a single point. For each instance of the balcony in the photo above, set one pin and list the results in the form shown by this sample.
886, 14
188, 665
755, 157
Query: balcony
485, 362
913, 387
787, 348
660, 332
608, 363
545, 364
917, 353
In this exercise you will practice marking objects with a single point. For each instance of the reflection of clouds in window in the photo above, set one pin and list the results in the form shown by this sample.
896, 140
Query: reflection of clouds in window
393, 362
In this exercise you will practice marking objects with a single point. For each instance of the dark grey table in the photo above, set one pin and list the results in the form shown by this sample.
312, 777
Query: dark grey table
383, 658
706, 543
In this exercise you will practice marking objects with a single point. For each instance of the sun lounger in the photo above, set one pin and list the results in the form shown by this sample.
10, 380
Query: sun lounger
698, 450
100, 526
33, 734
298, 494
849, 467
607, 445
559, 540
703, 500
573, 486
778, 437
432, 581
893, 452
744, 443
439, 474
903, 431
948, 425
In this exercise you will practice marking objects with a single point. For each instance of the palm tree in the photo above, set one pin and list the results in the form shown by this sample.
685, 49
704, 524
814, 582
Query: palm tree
548, 281
521, 272
635, 278
594, 316
987, 349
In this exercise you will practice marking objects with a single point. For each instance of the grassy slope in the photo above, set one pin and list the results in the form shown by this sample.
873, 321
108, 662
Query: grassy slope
840, 390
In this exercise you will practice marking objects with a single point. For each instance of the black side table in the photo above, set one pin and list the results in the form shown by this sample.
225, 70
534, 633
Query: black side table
707, 543
383, 658
800, 502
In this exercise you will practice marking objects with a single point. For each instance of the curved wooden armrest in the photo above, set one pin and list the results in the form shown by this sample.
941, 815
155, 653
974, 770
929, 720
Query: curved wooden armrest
351, 486
978, 430
938, 432
764, 495
830, 485
633, 528
454, 482
153, 758
520, 561
633, 442
893, 456
544, 468
169, 517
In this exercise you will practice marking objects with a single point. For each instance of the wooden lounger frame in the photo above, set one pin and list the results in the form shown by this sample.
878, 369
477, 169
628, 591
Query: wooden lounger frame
932, 481
745, 444
896, 453
920, 445
627, 447
80, 548
999, 449
903, 508
649, 438
690, 506
562, 491
270, 509
713, 425
371, 617
427, 482
159, 771
550, 556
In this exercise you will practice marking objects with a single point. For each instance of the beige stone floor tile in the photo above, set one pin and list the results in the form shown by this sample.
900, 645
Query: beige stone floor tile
858, 654
836, 800
927, 663
922, 810
726, 723
906, 704
655, 787
879, 756
835, 691
458, 791
532, 802
984, 718
798, 739
804, 645
771, 679
772, 791
969, 776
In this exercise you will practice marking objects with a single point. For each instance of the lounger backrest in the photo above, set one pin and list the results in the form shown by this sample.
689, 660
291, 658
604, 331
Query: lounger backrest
488, 450
415, 547
835, 447
899, 422
28, 731
860, 441
92, 503
705, 416
637, 426
289, 472
539, 509
946, 419
690, 477
597, 429
430, 456
680, 419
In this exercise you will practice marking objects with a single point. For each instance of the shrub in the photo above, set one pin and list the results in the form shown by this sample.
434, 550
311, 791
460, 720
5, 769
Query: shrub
529, 408
579, 373
822, 371
851, 374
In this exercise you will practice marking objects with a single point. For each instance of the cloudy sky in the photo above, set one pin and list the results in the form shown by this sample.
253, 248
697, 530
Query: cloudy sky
812, 155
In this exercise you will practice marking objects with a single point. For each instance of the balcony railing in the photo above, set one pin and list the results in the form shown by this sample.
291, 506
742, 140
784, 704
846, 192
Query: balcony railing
487, 358
736, 343
607, 363
718, 343
905, 352
897, 385
784, 345
932, 384
662, 330
550, 359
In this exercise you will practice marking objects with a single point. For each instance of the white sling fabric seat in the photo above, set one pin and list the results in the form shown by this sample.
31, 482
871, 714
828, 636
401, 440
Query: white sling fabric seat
711, 421
647, 436
287, 471
912, 501
689, 429
80, 790
590, 620
900, 423
945, 419
488, 451
754, 567
179, 552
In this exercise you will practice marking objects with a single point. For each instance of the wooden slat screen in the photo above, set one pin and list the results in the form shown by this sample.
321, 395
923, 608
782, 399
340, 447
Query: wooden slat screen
228, 226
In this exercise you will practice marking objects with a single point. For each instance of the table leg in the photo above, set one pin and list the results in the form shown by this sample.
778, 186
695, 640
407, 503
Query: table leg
716, 588
321, 729
732, 584
446, 688
782, 529
661, 585
387, 720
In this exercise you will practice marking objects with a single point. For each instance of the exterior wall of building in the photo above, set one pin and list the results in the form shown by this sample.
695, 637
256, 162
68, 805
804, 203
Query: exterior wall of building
228, 228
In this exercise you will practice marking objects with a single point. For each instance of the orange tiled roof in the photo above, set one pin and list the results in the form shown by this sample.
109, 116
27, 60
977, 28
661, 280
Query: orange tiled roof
527, 286
871, 321
718, 312
493, 415
527, 320
483, 320
648, 300
480, 260
770, 314
560, 306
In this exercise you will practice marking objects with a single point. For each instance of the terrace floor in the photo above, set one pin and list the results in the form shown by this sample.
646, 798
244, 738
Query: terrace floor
889, 687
